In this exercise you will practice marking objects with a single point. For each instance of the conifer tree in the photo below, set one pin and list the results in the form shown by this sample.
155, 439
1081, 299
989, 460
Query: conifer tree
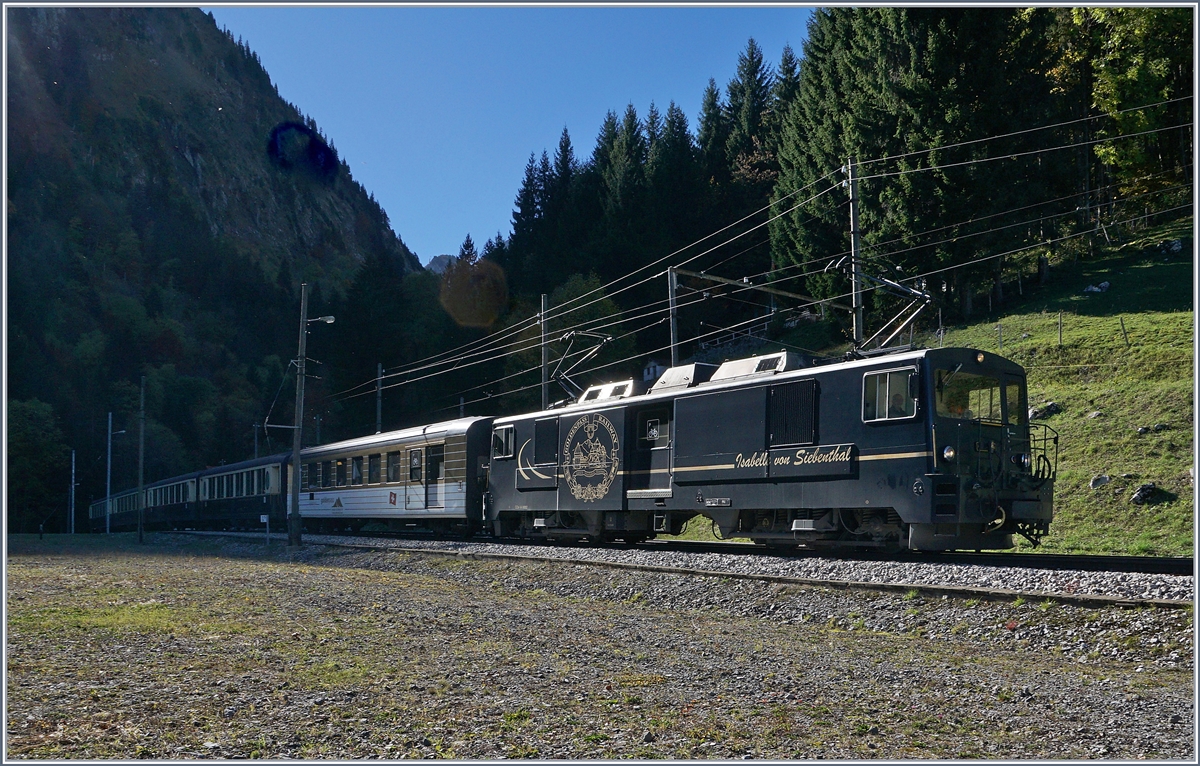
749, 95
713, 133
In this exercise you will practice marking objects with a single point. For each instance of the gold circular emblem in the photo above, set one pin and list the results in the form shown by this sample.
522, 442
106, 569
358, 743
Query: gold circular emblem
590, 457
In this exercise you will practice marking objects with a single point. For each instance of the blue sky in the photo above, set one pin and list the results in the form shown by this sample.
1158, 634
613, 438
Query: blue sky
436, 110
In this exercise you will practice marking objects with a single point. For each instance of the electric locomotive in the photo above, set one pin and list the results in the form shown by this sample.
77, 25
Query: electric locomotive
927, 449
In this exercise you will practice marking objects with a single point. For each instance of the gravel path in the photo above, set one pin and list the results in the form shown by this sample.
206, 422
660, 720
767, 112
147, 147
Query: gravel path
214, 647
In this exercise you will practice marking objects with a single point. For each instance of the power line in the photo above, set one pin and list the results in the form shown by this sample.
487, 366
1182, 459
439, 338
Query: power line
971, 263
1015, 155
1019, 132
456, 362
507, 332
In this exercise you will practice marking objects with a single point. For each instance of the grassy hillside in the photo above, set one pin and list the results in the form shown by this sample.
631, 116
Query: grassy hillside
1147, 383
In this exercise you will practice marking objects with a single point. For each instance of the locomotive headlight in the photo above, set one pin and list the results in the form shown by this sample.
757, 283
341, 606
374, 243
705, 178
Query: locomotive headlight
979, 357
949, 453
1023, 460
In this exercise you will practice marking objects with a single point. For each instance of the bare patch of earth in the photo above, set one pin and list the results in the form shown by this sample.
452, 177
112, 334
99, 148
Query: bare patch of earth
193, 648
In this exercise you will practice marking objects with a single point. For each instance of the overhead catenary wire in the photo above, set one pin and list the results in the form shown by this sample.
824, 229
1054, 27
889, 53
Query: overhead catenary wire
507, 332
971, 263
926, 232
456, 362
868, 162
483, 347
1015, 155
592, 324
1020, 132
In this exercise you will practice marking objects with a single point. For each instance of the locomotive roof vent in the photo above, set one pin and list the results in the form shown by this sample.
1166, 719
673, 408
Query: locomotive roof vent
618, 390
684, 376
758, 365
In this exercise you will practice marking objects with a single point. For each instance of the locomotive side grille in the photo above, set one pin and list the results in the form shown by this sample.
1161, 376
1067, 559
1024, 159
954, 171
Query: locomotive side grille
793, 413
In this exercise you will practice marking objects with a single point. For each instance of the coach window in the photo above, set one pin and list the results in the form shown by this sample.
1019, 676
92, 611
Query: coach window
414, 466
395, 466
340, 472
356, 470
373, 473
888, 396
502, 442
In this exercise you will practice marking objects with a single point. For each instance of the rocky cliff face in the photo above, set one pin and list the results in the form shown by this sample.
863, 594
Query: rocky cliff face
148, 103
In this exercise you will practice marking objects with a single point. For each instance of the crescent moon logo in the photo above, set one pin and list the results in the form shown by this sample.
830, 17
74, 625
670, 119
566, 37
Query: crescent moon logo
521, 467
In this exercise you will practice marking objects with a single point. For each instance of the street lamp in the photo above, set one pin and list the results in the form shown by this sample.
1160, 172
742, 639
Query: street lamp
108, 480
294, 510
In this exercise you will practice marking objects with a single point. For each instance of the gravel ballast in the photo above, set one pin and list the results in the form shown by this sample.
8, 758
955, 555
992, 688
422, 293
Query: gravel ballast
193, 647
1026, 580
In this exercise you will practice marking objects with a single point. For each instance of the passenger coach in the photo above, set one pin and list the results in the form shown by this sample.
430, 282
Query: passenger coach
429, 477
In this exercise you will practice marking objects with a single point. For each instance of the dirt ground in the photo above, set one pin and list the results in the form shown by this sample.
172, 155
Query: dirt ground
193, 648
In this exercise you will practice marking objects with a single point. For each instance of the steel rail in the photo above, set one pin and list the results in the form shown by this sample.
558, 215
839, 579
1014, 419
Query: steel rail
933, 591
1168, 565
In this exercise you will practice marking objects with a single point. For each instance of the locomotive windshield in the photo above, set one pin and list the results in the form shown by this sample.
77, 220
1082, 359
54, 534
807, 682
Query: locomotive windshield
968, 396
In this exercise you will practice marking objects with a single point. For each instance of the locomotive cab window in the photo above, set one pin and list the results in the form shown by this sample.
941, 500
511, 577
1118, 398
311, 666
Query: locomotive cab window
967, 396
889, 395
502, 442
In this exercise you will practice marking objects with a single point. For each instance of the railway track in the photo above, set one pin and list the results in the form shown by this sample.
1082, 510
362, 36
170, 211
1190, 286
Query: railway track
1170, 565
1167, 565
847, 572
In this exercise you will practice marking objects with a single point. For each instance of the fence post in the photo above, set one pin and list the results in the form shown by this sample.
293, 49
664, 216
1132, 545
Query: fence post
1060, 329
1123, 333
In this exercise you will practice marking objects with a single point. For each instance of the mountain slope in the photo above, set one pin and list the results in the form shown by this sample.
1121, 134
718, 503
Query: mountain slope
151, 232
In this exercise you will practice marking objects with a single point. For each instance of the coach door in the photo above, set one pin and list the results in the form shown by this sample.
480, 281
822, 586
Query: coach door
414, 489
435, 476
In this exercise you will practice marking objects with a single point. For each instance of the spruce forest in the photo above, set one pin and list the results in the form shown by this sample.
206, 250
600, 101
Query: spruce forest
151, 234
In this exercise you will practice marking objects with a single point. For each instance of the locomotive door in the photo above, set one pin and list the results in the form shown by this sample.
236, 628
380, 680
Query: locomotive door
650, 458
414, 488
